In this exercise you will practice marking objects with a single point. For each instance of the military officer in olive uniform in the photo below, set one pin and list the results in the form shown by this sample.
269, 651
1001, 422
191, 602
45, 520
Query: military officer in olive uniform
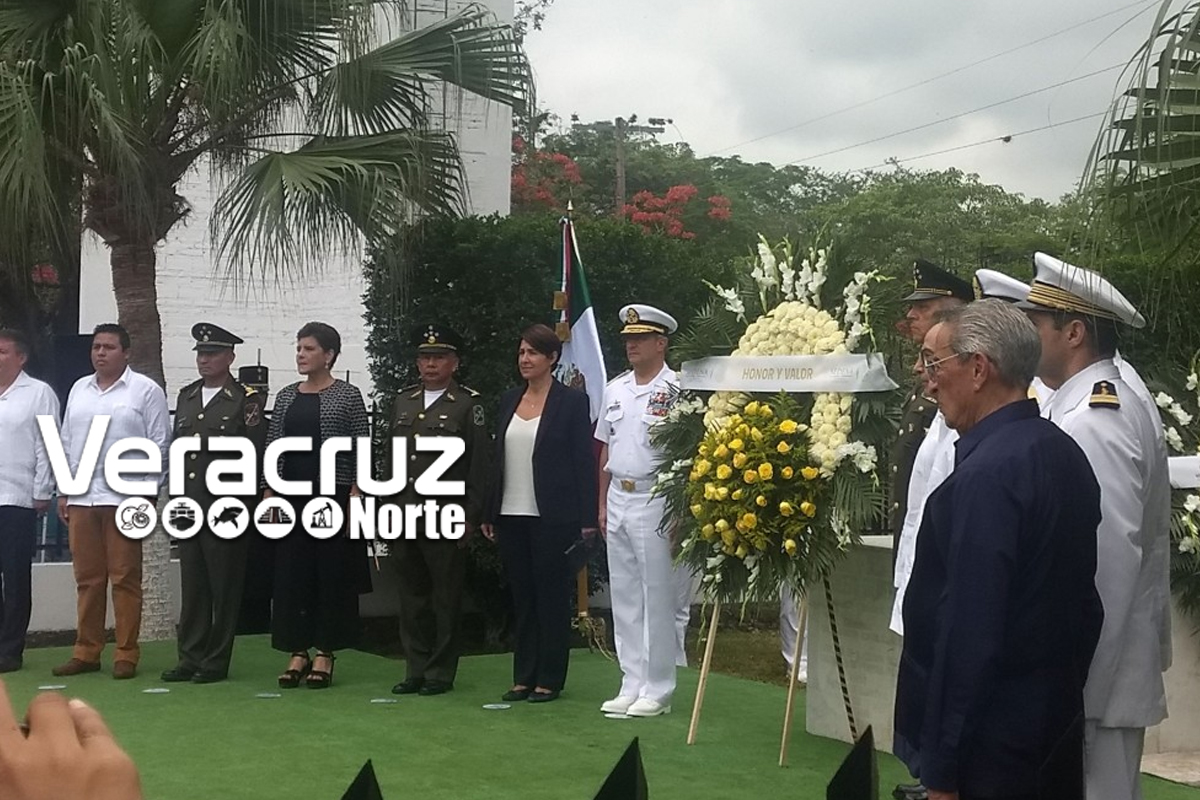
431, 572
212, 570
934, 290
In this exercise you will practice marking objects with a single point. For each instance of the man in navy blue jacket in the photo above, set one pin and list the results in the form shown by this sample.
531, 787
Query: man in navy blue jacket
1002, 615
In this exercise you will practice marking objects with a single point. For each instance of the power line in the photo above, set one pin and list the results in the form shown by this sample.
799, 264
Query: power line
953, 117
926, 81
1005, 139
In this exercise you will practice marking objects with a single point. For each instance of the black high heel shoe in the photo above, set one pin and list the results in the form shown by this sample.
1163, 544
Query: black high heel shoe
291, 678
319, 678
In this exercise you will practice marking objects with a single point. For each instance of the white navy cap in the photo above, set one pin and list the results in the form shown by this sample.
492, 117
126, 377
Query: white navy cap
990, 283
1059, 286
640, 318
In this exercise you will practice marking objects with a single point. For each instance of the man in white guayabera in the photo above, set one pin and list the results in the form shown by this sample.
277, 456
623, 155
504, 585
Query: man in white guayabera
136, 407
25, 485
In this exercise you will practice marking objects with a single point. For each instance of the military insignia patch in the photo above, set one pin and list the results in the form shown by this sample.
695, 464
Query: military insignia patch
253, 415
631, 316
1104, 394
477, 413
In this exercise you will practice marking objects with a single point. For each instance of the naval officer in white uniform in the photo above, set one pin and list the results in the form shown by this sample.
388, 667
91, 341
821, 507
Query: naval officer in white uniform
1076, 313
641, 578
990, 283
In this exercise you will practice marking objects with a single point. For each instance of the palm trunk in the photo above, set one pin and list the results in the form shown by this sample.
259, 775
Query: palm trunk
134, 277
135, 285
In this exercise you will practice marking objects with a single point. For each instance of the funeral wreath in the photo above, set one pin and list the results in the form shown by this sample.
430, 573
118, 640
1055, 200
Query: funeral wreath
772, 488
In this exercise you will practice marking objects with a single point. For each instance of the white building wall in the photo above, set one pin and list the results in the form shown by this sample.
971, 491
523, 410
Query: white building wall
191, 290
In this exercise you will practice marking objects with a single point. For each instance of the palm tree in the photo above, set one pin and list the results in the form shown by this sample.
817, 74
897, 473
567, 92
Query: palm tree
1146, 163
316, 133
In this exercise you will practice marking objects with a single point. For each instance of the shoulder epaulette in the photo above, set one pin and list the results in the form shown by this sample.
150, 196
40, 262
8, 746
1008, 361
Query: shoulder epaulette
249, 390
611, 381
469, 390
192, 385
1104, 394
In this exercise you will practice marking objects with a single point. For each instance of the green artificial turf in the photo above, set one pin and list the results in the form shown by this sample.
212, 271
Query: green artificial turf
221, 740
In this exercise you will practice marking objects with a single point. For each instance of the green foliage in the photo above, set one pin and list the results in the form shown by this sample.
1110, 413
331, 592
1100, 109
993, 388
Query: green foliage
316, 129
764, 198
946, 216
489, 278
1138, 218
1181, 423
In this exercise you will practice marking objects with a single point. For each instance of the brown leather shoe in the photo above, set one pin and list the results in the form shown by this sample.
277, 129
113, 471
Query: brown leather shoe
75, 667
124, 670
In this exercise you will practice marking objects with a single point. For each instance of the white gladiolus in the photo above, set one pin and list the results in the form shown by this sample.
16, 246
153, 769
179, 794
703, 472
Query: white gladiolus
1181, 416
1192, 382
1174, 440
1164, 400
1191, 504
765, 256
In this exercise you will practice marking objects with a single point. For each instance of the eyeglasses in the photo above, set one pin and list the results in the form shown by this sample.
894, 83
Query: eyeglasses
931, 367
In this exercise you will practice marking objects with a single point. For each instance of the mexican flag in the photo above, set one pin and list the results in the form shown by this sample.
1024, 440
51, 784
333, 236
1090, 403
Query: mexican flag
582, 363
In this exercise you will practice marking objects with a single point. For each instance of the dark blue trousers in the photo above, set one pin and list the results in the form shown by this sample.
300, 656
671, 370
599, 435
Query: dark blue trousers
18, 535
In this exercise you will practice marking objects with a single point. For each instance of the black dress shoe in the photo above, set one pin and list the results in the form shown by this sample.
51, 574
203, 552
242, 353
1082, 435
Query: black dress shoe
516, 695
209, 676
543, 697
435, 687
910, 791
10, 664
408, 686
178, 674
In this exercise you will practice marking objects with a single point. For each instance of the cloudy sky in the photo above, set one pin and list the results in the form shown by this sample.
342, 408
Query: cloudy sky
762, 78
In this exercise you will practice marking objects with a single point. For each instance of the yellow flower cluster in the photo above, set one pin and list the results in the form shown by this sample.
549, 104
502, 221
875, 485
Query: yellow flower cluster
796, 328
752, 486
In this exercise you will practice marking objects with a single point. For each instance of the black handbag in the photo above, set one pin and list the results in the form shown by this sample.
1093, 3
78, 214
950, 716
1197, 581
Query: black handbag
581, 551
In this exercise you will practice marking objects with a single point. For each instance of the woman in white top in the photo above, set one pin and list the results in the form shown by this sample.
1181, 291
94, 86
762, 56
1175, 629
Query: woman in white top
543, 500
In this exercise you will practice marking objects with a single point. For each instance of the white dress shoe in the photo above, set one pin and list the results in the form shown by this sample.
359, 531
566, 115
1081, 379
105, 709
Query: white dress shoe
618, 705
648, 708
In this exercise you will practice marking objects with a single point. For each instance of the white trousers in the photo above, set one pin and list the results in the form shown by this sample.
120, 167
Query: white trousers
1113, 762
685, 585
645, 595
789, 622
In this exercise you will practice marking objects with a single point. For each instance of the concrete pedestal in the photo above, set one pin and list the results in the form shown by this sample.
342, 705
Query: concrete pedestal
862, 596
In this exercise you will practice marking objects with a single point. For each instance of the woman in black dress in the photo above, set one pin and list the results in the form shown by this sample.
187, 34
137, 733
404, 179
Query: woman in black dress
317, 581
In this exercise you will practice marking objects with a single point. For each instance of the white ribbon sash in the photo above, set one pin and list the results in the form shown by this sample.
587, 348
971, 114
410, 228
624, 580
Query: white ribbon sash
1185, 472
792, 374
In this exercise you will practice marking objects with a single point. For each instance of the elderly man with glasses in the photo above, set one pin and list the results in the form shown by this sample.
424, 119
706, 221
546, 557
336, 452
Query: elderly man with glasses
1002, 616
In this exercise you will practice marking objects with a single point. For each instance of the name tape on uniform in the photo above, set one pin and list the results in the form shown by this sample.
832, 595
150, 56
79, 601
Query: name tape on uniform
797, 374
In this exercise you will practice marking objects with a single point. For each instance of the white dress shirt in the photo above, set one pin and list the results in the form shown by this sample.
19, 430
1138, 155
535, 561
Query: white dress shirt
136, 406
25, 468
933, 464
